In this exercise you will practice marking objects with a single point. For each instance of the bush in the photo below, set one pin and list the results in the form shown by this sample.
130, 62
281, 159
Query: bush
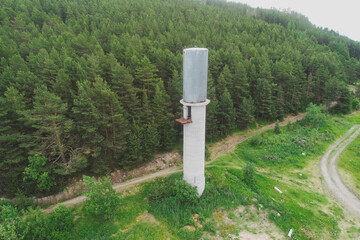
207, 154
61, 223
314, 116
102, 200
159, 189
355, 104
37, 172
34, 224
277, 128
22, 202
249, 174
185, 192
257, 140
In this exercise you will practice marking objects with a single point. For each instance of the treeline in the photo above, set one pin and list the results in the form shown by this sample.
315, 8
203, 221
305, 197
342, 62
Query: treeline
91, 86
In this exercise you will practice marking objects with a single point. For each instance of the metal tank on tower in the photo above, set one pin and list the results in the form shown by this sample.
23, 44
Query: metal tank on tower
195, 69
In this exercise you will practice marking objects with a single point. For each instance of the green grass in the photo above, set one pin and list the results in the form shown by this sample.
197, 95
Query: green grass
225, 189
285, 150
143, 231
131, 207
349, 161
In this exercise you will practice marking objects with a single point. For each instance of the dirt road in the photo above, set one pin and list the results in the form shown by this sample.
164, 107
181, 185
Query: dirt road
216, 150
331, 176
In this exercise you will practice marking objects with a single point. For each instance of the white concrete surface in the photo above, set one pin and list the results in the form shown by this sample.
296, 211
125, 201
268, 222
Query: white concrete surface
194, 145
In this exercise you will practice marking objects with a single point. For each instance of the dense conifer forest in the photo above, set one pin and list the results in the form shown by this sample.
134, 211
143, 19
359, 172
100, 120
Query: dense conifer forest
89, 86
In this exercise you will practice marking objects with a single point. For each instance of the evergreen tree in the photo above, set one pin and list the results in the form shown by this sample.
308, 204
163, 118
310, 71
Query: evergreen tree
163, 117
264, 99
100, 119
212, 122
52, 127
146, 76
12, 152
224, 81
226, 113
122, 85
175, 91
279, 104
245, 113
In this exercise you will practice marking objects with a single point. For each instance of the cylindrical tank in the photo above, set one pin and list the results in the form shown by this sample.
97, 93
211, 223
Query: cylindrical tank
195, 69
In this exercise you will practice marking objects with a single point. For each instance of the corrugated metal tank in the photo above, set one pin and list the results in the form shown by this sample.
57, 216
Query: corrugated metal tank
195, 69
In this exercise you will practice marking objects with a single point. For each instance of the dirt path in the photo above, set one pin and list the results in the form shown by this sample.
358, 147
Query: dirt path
331, 176
216, 150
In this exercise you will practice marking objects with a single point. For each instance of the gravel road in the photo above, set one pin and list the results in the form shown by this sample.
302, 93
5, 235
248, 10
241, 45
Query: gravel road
331, 175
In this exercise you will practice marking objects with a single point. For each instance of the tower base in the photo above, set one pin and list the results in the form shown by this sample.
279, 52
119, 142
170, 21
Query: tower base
194, 144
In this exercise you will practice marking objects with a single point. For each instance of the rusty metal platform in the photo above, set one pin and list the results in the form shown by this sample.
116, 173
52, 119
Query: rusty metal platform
183, 121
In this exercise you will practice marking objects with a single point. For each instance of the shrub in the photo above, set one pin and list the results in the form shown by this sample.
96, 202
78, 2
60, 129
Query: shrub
185, 192
249, 174
207, 154
61, 223
159, 189
22, 202
257, 140
277, 128
314, 116
34, 224
355, 104
102, 200
36, 171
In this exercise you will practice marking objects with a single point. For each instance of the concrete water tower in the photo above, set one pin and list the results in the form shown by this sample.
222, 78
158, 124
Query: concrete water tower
195, 69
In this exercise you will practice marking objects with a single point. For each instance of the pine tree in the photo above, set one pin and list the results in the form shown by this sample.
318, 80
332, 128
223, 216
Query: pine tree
245, 113
224, 81
122, 85
264, 99
146, 76
279, 104
226, 113
100, 117
52, 127
12, 150
212, 122
175, 91
163, 117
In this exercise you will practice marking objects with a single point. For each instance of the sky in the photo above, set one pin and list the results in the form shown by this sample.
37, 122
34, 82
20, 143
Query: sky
341, 16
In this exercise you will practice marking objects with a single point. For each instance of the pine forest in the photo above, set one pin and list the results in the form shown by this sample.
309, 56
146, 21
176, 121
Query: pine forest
92, 86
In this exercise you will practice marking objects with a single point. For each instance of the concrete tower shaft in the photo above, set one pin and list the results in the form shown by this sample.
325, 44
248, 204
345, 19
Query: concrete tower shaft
194, 145
194, 101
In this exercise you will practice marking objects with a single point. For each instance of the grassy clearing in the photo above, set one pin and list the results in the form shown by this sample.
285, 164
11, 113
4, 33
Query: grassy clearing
291, 149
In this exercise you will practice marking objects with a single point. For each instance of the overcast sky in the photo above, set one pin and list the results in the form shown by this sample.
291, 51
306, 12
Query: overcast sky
343, 16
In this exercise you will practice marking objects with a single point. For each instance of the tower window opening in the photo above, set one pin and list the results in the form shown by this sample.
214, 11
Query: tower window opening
189, 112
